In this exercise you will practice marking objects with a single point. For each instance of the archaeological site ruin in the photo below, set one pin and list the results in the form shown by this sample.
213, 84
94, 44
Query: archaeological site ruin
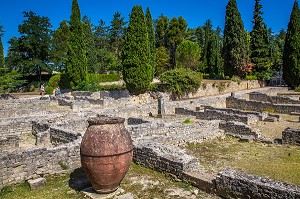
41, 136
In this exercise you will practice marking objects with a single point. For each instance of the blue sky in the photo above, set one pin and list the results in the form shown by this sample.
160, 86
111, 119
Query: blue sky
195, 12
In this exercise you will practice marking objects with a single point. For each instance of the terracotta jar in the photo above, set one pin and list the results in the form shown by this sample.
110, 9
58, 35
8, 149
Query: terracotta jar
106, 153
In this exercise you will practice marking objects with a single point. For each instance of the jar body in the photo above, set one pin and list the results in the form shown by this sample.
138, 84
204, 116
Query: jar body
106, 153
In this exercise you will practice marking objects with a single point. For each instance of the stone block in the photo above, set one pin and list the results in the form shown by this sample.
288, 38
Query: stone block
37, 183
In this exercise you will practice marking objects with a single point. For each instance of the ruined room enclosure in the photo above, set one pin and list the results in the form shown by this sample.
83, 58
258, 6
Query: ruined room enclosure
51, 133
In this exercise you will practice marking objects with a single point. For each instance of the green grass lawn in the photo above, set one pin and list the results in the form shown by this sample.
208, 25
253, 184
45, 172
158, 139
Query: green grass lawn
279, 162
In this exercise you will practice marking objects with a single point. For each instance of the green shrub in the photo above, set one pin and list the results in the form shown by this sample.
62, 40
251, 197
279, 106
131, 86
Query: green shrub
108, 77
112, 87
181, 81
61, 79
54, 80
49, 89
205, 76
236, 79
250, 77
265, 75
297, 89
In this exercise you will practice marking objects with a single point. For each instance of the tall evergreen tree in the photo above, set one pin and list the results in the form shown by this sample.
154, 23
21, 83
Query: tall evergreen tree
116, 33
176, 33
60, 46
235, 44
291, 54
77, 61
151, 36
259, 42
91, 51
161, 31
137, 70
2, 62
101, 32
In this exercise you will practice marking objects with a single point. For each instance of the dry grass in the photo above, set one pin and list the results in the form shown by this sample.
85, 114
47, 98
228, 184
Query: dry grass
279, 162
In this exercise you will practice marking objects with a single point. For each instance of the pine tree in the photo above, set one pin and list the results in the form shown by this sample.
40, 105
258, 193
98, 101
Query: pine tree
151, 36
235, 44
77, 61
91, 51
176, 33
59, 50
137, 70
259, 43
2, 62
291, 53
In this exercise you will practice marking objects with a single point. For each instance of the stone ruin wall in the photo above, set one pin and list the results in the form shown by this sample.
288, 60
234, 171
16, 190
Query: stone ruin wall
291, 136
235, 184
232, 102
256, 96
19, 165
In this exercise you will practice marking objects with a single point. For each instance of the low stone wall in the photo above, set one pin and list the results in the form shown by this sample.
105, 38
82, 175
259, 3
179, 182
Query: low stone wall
238, 129
272, 99
254, 115
235, 184
249, 105
116, 94
19, 165
164, 158
9, 142
291, 136
213, 115
216, 88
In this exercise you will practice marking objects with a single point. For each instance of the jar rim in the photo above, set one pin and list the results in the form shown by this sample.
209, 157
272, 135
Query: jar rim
101, 120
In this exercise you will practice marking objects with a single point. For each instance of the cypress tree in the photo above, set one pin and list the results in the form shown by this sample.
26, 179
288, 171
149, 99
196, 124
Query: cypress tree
77, 61
137, 70
259, 43
2, 62
151, 36
291, 53
235, 45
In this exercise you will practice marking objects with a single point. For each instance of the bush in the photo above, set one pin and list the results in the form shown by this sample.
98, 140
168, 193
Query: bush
49, 89
181, 81
297, 89
54, 80
108, 77
265, 75
60, 79
205, 76
112, 87
250, 77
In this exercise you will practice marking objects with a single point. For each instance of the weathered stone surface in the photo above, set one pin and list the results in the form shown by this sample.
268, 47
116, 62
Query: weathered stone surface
232, 183
37, 183
291, 136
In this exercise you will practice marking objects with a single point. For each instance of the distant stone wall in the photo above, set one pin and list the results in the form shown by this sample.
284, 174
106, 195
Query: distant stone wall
9, 142
249, 105
238, 129
216, 88
272, 99
209, 114
291, 136
235, 184
116, 94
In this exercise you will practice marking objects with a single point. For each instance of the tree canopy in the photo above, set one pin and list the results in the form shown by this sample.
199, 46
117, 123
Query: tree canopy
137, 69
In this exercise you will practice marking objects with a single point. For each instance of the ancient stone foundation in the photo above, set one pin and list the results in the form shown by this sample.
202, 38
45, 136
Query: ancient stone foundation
291, 136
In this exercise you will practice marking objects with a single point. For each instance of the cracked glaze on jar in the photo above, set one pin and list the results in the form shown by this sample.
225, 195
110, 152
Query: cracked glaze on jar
106, 153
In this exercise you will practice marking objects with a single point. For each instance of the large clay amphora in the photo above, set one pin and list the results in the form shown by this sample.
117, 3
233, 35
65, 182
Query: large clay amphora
106, 153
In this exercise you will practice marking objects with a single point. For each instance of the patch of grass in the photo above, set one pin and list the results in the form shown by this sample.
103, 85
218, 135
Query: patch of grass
279, 162
187, 121
270, 109
63, 165
56, 187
